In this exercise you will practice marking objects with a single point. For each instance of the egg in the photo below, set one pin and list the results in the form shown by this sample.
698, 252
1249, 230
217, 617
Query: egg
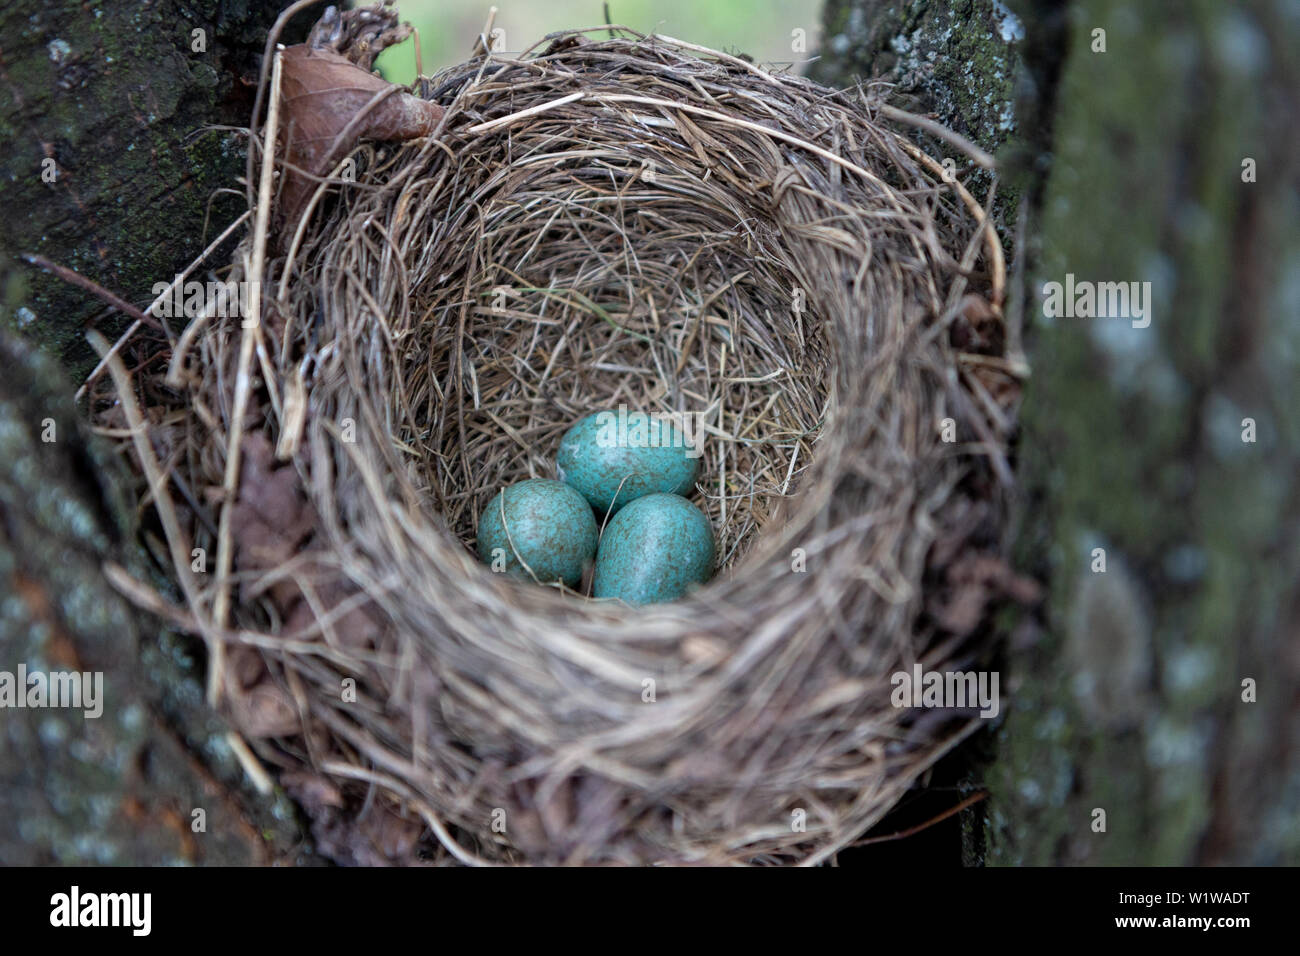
640, 452
547, 524
655, 549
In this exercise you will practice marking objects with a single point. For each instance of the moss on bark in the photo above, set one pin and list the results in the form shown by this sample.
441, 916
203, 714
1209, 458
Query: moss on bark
107, 168
1131, 701
122, 787
960, 61
1125, 691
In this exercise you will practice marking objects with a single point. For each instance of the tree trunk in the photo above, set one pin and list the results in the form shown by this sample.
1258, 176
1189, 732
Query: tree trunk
151, 779
1159, 698
109, 167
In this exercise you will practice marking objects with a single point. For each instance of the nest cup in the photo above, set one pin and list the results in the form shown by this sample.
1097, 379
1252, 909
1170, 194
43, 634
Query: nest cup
599, 223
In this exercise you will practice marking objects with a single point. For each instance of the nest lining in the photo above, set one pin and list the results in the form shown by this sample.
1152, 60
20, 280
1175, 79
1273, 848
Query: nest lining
691, 234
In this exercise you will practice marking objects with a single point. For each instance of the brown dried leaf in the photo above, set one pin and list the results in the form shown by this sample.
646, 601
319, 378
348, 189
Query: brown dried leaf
393, 835
357, 629
244, 667
977, 327
263, 710
271, 518
380, 837
330, 104
313, 791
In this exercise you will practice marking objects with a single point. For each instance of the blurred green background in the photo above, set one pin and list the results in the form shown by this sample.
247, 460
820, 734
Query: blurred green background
764, 29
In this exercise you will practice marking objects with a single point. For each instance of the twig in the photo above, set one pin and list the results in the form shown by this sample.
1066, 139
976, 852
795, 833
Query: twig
94, 288
980, 156
268, 51
531, 111
483, 42
176, 543
117, 346
743, 124
970, 801
998, 263
342, 769
243, 381
252, 766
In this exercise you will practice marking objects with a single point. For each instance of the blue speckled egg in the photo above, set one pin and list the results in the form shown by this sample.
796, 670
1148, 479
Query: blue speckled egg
655, 549
603, 449
550, 526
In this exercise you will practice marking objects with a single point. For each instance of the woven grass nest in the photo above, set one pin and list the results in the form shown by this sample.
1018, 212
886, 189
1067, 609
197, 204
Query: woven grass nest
598, 221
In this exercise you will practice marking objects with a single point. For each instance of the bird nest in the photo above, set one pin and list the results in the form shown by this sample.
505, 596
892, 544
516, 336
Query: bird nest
598, 222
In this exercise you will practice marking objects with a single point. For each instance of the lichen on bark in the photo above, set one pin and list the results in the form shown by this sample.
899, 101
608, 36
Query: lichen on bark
1131, 700
123, 787
959, 62
1124, 693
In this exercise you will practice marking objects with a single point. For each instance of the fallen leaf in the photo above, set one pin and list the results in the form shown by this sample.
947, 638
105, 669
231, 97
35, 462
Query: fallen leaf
263, 710
330, 104
271, 518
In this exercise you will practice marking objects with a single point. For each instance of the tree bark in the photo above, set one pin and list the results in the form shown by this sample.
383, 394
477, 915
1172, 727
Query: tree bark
1130, 700
1129, 691
111, 164
151, 779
